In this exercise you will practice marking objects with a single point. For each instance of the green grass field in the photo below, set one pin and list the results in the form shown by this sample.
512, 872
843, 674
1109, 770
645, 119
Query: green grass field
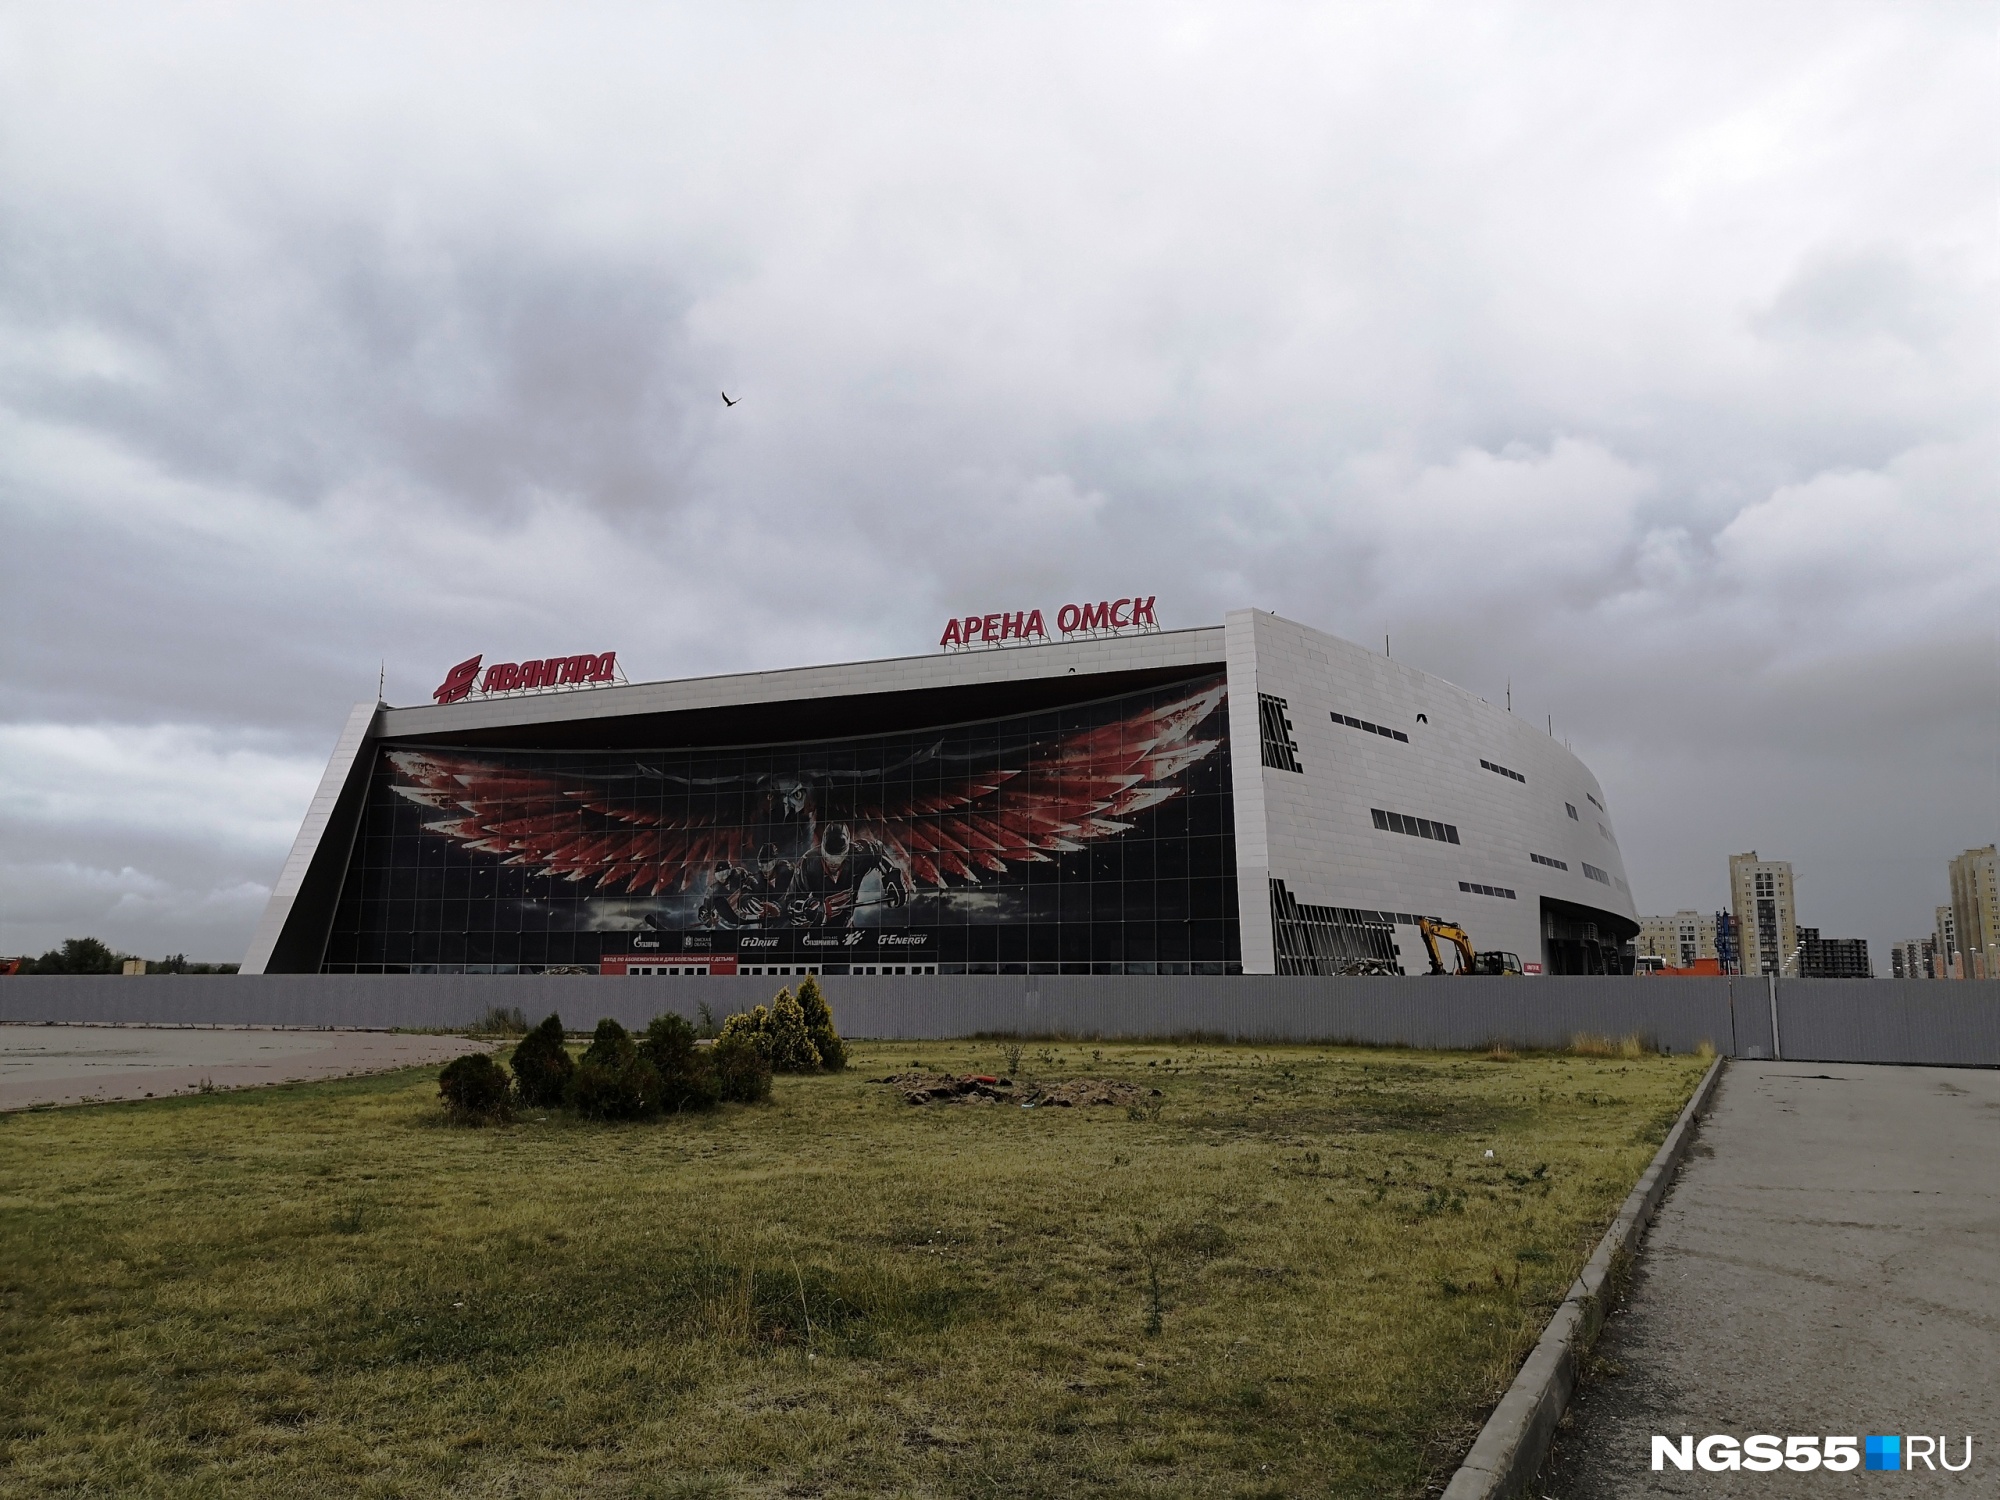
1294, 1272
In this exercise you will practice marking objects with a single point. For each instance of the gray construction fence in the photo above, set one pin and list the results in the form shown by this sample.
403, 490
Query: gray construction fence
1818, 1020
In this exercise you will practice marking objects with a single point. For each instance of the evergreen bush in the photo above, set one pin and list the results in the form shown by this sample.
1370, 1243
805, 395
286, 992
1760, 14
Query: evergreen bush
742, 1072
612, 1081
475, 1089
752, 1026
543, 1066
686, 1072
819, 1026
792, 1049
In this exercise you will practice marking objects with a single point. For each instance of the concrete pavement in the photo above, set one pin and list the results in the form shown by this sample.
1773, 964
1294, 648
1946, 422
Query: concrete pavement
41, 1065
1828, 1263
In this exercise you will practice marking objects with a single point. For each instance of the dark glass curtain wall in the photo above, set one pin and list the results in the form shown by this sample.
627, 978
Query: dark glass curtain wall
1091, 839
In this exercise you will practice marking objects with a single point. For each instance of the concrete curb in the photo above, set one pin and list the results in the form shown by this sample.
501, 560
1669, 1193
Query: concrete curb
1509, 1450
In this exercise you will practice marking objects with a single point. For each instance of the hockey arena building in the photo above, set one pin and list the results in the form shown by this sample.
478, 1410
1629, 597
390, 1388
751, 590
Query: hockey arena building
1105, 798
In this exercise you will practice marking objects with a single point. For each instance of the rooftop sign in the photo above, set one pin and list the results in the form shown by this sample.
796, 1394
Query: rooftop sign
550, 674
1026, 627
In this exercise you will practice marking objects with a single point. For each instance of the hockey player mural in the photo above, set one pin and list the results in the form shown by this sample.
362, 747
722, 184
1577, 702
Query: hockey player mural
916, 831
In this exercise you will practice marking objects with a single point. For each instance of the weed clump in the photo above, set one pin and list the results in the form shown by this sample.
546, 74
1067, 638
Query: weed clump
500, 1021
613, 1081
475, 1089
1588, 1044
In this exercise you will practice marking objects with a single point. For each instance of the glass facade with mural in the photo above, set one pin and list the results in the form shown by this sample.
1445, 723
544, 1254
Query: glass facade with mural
1095, 838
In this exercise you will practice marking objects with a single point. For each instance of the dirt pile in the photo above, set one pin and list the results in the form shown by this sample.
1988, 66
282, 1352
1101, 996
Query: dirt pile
984, 1088
950, 1088
1084, 1091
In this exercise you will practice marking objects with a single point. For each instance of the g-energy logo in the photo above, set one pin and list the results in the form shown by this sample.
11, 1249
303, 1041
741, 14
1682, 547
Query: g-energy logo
1762, 1452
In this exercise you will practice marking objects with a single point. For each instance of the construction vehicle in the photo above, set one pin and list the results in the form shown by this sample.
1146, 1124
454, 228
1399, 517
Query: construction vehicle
1469, 960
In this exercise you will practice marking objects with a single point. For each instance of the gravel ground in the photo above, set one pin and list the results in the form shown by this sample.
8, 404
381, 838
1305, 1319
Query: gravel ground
44, 1065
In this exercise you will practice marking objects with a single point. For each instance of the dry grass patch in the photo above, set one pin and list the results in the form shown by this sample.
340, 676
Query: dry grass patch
1300, 1274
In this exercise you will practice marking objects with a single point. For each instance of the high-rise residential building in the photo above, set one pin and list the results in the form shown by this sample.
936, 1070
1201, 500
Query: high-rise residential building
1832, 958
1760, 895
1944, 940
1975, 907
1678, 940
1914, 959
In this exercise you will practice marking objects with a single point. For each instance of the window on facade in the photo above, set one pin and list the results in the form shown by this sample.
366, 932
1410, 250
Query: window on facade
1362, 724
1570, 808
1281, 751
1503, 771
1477, 889
1593, 873
1332, 939
1419, 828
1553, 864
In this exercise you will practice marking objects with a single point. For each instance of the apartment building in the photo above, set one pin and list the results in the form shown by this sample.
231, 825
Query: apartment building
1678, 940
1975, 908
1760, 897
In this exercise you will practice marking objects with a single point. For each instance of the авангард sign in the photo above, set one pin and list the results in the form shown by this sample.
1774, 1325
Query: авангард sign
1022, 626
527, 676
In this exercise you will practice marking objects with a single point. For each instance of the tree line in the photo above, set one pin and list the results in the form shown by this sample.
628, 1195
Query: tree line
86, 955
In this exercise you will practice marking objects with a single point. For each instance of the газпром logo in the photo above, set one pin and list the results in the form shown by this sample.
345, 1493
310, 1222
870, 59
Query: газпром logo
1762, 1452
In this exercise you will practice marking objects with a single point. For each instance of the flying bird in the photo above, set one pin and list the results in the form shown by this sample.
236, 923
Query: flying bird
725, 399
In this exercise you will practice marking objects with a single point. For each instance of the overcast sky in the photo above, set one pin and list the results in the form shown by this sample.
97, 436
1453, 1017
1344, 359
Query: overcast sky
1642, 355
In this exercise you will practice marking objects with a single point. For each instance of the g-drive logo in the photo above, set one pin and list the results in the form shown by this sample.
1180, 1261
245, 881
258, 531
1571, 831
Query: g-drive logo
1761, 1452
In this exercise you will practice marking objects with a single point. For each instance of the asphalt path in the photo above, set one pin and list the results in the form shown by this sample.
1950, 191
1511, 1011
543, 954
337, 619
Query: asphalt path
50, 1065
1827, 1263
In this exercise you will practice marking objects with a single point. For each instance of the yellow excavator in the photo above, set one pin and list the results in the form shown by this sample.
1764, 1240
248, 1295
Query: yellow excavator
1469, 961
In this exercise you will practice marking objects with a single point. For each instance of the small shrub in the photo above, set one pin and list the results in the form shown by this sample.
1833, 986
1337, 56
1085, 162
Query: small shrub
475, 1089
612, 1081
742, 1072
819, 1026
543, 1066
1705, 1050
686, 1072
792, 1049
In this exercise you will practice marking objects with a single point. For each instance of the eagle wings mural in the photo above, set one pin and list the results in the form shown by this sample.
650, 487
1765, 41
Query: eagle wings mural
813, 846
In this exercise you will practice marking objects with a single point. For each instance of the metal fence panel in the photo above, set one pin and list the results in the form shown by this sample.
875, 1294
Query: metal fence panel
1949, 1024
1833, 1020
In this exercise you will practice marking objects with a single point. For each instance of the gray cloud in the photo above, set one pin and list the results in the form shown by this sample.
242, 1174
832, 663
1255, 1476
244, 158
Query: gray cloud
1641, 358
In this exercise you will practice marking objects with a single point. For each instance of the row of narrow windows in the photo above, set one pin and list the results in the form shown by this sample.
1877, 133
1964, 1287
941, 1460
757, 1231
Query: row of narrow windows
1502, 770
1477, 889
1274, 733
1421, 828
1553, 864
1388, 734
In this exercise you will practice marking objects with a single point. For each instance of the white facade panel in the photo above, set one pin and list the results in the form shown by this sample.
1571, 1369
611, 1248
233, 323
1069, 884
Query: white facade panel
1320, 832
